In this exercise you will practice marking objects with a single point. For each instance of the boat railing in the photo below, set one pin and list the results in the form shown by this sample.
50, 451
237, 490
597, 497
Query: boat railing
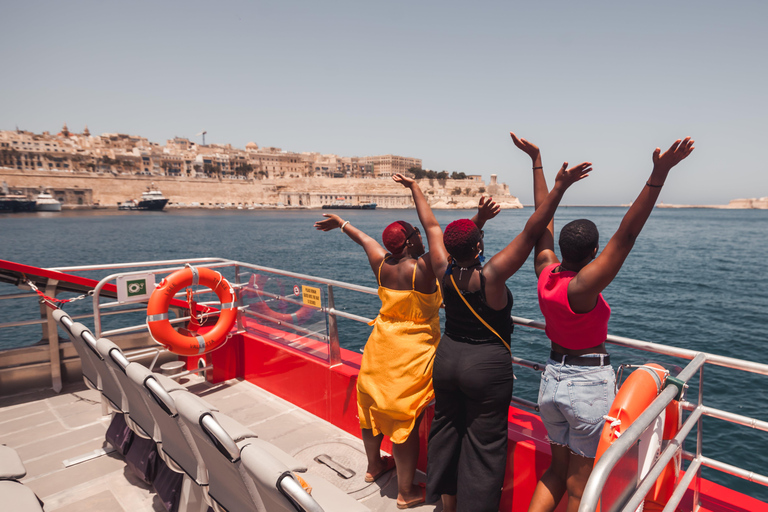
698, 411
698, 361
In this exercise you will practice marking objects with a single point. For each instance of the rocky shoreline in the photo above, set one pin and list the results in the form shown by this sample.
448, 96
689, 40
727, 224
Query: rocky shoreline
760, 203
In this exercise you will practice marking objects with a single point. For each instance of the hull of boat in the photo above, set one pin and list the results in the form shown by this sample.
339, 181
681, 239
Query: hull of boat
152, 204
48, 207
349, 207
300, 374
296, 368
16, 205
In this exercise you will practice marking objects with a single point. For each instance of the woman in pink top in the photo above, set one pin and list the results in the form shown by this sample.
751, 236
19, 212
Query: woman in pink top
577, 386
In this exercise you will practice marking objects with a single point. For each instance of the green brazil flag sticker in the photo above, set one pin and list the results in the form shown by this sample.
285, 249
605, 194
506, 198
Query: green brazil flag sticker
136, 287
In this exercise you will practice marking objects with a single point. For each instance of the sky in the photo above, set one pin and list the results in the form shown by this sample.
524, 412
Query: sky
443, 81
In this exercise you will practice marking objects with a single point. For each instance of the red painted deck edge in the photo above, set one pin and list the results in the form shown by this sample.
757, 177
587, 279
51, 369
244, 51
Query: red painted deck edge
307, 381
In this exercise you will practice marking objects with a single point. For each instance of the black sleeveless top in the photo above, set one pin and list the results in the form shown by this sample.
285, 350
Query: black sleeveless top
462, 325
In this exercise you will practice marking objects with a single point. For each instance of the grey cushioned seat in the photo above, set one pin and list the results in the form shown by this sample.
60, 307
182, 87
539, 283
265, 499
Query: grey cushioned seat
111, 388
18, 497
11, 466
138, 417
249, 474
226, 487
89, 358
140, 400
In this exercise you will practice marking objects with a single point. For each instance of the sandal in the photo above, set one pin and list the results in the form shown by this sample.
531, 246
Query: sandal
415, 501
389, 463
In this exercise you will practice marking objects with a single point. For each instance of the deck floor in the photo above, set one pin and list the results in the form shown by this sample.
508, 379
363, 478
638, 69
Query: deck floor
47, 429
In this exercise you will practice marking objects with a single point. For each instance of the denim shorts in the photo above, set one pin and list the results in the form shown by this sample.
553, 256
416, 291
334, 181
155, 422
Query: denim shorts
572, 403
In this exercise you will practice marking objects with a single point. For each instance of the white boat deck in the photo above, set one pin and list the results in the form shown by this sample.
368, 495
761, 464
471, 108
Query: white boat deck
48, 429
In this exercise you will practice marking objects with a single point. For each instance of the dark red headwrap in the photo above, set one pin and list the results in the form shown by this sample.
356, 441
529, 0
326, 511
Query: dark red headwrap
460, 238
395, 235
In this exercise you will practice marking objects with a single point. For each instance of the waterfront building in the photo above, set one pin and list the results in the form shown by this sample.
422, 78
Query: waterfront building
386, 165
85, 169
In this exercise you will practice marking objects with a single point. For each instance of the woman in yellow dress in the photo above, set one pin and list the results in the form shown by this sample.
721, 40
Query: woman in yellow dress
394, 385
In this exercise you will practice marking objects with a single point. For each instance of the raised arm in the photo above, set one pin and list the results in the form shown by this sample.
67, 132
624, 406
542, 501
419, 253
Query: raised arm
438, 256
486, 210
544, 251
593, 278
512, 257
373, 249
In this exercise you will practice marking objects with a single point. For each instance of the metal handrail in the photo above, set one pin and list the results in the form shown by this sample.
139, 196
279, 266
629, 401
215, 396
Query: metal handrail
621, 446
656, 348
697, 460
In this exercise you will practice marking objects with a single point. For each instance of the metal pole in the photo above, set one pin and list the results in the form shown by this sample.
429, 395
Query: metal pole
238, 300
53, 339
334, 349
699, 440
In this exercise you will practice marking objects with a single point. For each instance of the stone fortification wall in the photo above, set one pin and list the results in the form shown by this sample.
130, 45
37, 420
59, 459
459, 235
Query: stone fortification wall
109, 190
754, 203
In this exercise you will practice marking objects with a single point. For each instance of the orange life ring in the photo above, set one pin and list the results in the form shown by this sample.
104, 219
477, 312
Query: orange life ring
635, 395
157, 311
303, 313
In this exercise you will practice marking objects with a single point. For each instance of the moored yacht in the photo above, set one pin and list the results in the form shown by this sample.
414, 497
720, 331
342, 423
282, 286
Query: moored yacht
152, 200
10, 202
45, 202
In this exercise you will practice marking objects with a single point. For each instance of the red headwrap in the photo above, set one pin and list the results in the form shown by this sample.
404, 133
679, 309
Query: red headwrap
394, 236
460, 238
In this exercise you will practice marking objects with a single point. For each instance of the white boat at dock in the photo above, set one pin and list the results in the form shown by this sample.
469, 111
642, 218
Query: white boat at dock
45, 202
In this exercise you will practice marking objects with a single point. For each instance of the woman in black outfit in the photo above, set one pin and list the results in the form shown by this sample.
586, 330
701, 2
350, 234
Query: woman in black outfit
472, 373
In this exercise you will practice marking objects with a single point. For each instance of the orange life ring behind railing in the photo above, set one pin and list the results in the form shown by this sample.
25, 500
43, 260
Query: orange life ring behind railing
157, 311
635, 395
254, 288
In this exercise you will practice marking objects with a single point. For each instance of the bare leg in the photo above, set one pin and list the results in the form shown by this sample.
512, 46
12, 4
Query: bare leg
406, 457
552, 486
579, 470
373, 452
449, 503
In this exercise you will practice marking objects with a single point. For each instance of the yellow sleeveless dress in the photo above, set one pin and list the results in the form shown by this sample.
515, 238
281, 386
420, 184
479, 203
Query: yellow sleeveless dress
395, 380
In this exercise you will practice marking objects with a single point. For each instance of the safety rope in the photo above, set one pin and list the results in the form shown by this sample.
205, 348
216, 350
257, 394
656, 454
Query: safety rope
615, 422
53, 302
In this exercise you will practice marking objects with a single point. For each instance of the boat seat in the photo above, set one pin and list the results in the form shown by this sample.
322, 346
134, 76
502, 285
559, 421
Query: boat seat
177, 449
156, 414
138, 416
249, 474
86, 351
11, 466
18, 497
140, 400
226, 488
270, 476
111, 388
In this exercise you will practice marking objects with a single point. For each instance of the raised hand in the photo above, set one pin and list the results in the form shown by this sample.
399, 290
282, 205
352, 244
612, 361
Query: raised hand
529, 148
487, 209
332, 222
676, 153
568, 177
403, 180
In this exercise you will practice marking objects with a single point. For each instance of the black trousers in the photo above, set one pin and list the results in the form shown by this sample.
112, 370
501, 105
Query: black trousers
467, 450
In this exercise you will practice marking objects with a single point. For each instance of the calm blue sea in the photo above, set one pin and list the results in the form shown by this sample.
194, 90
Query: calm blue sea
693, 280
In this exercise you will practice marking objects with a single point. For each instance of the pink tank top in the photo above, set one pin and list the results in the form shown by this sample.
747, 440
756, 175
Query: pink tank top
571, 330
